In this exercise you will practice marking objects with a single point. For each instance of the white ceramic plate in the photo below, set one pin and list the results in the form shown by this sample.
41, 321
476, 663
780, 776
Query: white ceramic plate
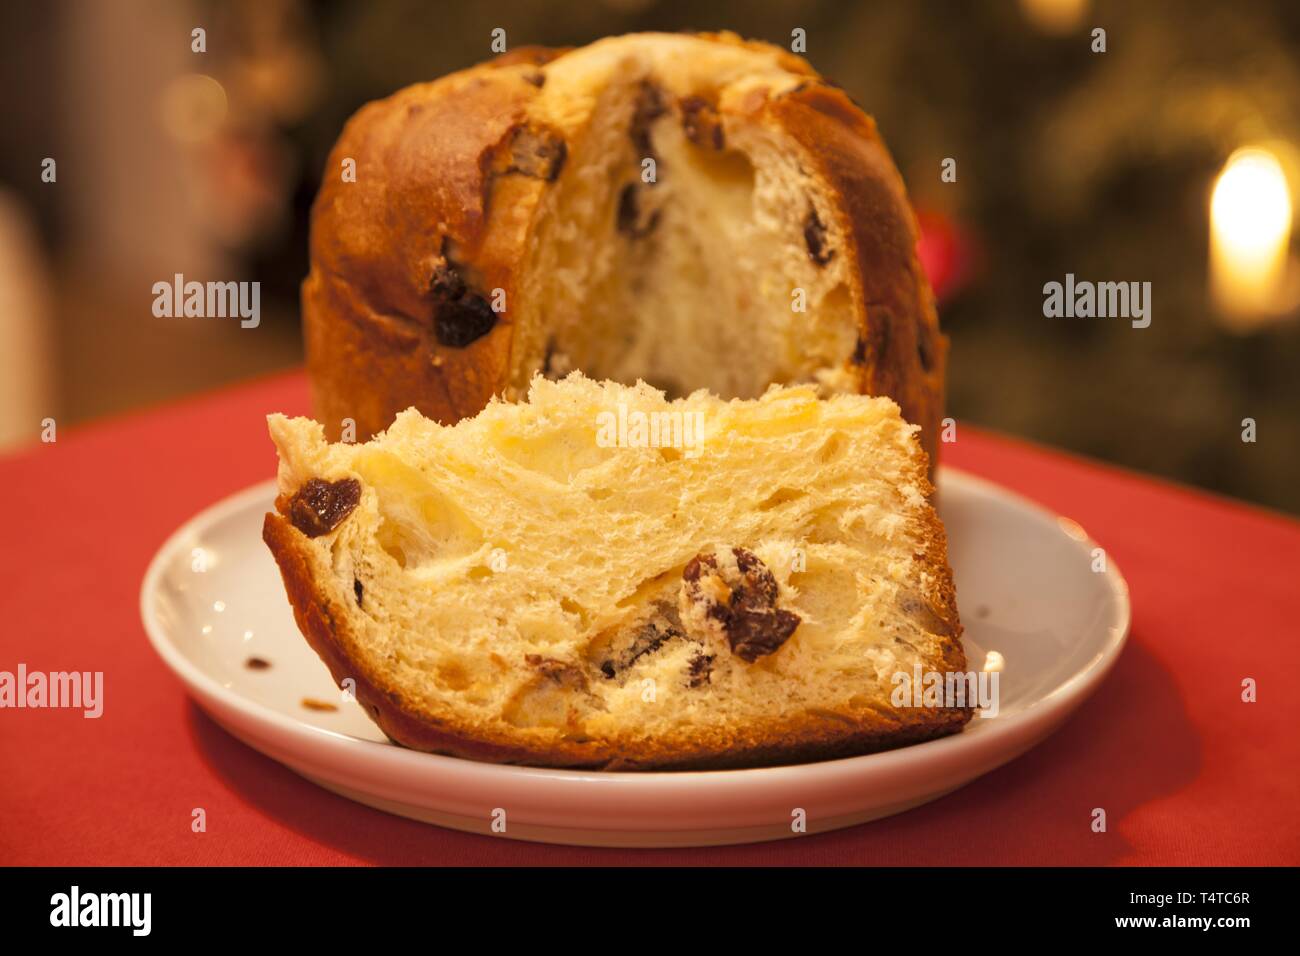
212, 599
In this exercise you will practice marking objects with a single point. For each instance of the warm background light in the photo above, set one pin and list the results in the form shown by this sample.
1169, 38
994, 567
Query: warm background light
1054, 16
193, 107
1250, 231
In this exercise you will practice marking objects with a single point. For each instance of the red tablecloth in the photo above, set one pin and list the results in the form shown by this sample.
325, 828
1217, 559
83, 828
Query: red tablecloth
1187, 772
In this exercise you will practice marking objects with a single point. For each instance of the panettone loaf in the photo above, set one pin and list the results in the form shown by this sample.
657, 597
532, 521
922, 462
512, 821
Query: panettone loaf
599, 577
696, 211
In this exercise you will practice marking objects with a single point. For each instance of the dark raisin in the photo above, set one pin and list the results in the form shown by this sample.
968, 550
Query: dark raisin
358, 590
699, 669
758, 587
756, 632
663, 626
859, 356
648, 108
257, 664
538, 79
925, 350
627, 209
459, 315
701, 123
695, 567
652, 637
539, 153
753, 624
461, 322
630, 220
318, 507
557, 672
756, 626
814, 236
698, 567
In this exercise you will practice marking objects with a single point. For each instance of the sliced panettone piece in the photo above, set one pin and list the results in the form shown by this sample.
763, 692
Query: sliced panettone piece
601, 577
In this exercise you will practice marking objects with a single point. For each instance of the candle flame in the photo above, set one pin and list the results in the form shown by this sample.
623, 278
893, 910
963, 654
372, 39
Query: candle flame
1250, 229
1251, 206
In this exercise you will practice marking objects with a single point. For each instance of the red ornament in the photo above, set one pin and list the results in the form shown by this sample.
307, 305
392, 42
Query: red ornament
945, 252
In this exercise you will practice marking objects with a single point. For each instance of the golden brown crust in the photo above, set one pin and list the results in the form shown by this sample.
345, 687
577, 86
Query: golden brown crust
325, 622
423, 169
427, 188
901, 351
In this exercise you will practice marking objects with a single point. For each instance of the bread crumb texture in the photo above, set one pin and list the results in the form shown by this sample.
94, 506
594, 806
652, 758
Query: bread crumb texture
599, 576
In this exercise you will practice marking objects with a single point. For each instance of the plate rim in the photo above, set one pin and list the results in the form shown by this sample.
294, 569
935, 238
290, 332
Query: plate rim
1049, 709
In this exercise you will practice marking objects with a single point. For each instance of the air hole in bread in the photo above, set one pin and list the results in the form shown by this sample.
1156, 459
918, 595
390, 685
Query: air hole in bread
826, 524
570, 606
831, 449
647, 588
555, 697
780, 497
453, 676
557, 457
418, 523
826, 593
730, 170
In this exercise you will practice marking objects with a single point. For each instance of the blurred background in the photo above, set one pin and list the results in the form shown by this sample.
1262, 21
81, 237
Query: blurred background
1100, 164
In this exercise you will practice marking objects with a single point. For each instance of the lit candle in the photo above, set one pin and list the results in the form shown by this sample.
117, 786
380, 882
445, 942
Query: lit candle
1250, 229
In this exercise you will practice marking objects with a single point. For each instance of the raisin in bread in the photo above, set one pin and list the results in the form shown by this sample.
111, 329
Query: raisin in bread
601, 577
694, 211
